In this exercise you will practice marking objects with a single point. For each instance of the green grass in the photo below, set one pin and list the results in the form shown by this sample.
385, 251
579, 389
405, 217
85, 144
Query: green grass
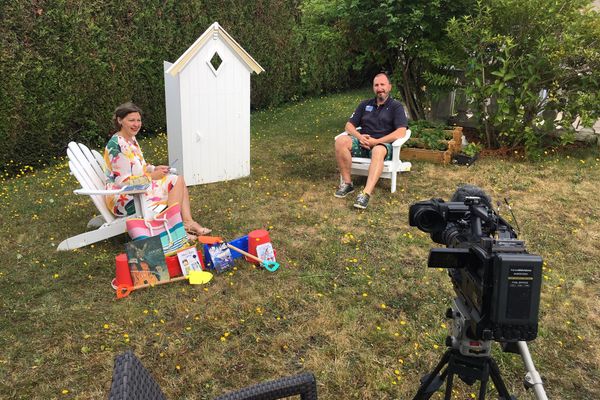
353, 301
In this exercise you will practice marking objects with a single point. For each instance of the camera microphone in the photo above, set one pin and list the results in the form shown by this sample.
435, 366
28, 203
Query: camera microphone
467, 190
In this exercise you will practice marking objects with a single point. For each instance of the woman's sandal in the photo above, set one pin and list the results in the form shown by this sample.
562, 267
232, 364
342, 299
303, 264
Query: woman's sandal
204, 231
199, 230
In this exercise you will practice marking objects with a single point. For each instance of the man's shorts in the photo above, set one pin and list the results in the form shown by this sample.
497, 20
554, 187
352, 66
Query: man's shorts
358, 151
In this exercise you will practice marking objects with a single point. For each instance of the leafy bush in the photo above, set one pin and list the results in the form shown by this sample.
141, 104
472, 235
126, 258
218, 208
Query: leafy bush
433, 138
406, 38
68, 64
515, 50
471, 149
429, 135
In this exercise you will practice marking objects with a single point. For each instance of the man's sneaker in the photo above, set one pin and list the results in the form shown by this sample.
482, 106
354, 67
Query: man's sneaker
362, 200
344, 190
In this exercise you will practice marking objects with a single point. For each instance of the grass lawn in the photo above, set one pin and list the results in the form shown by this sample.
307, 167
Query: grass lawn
353, 301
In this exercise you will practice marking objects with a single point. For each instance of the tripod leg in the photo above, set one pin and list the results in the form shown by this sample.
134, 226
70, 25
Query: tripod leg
498, 382
485, 377
449, 384
533, 378
426, 388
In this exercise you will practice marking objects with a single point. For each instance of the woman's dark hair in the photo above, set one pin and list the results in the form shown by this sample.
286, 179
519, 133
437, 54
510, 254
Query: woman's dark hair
122, 111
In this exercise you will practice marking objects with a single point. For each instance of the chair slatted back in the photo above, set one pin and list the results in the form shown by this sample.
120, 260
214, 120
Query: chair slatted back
88, 168
132, 381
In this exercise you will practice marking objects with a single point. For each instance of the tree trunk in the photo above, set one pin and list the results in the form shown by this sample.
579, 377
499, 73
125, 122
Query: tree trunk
409, 88
486, 116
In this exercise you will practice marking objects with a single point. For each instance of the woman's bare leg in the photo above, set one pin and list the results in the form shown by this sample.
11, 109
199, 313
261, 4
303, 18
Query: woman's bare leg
180, 194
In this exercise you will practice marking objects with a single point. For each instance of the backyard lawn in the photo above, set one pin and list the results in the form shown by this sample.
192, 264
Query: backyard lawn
353, 301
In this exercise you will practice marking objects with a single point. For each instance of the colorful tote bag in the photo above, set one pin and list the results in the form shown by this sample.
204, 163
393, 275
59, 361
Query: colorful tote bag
167, 224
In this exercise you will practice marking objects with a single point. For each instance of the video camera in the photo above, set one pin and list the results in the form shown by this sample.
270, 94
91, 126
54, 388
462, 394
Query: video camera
496, 281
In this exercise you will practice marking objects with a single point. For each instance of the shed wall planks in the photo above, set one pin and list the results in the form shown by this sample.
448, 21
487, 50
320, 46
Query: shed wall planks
208, 113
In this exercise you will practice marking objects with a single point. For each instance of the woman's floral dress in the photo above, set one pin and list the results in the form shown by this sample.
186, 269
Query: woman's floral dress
124, 163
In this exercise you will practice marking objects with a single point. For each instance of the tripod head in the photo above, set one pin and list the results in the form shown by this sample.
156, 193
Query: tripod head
470, 359
461, 339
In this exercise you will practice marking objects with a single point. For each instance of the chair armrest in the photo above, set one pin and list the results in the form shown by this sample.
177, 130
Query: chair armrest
304, 385
346, 133
101, 192
396, 143
107, 192
341, 134
399, 142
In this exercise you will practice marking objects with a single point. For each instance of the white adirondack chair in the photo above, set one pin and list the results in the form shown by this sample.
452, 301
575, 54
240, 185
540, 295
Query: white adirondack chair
391, 168
88, 167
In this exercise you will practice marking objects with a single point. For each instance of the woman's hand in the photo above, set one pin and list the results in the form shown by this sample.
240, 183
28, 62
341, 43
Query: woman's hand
159, 172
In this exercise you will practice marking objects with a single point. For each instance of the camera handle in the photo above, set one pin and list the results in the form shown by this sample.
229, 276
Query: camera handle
532, 378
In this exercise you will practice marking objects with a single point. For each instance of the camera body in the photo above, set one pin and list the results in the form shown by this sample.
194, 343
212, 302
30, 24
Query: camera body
493, 275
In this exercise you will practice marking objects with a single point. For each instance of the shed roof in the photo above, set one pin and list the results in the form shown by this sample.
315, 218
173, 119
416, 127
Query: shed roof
215, 30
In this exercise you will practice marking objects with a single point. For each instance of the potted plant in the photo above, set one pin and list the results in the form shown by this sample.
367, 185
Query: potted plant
467, 155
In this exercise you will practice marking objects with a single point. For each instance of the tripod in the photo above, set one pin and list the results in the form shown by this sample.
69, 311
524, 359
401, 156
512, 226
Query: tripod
471, 361
469, 369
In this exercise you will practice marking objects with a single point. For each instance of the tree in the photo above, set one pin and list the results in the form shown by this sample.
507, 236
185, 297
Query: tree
324, 62
407, 38
526, 61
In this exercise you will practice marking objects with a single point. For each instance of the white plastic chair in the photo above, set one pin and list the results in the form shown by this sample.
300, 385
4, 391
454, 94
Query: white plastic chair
88, 167
391, 168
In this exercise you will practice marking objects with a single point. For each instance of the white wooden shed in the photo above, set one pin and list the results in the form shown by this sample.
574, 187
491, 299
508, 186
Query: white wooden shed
207, 93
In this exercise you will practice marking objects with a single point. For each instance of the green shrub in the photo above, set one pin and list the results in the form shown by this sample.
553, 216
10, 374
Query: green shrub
68, 64
515, 50
471, 149
429, 135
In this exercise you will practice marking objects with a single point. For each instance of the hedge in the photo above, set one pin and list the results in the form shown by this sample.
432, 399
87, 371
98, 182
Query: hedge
67, 64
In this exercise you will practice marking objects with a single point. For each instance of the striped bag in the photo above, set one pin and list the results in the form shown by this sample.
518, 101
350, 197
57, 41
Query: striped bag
167, 224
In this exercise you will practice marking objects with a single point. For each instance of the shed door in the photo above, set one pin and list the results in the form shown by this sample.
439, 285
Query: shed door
216, 115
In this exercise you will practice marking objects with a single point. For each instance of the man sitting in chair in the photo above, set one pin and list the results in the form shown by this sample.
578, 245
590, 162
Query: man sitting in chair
382, 120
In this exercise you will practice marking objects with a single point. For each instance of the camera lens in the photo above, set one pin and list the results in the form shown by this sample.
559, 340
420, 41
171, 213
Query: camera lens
430, 220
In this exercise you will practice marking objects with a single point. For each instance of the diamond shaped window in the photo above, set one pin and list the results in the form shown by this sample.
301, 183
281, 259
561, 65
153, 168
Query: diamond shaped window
216, 61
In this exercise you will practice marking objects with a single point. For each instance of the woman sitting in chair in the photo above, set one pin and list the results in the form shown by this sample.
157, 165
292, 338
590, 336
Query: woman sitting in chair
126, 166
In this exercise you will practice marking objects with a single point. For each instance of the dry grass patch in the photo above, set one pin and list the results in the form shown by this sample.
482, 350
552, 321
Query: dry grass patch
353, 301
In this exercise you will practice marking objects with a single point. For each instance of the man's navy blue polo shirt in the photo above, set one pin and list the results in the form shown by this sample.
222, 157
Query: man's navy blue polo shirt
379, 121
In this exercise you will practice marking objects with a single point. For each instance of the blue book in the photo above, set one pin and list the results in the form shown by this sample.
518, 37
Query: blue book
135, 188
220, 257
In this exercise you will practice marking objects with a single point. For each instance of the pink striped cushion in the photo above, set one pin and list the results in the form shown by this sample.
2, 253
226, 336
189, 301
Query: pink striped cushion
172, 240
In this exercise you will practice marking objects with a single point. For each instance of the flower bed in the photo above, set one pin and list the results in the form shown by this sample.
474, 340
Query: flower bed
418, 147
